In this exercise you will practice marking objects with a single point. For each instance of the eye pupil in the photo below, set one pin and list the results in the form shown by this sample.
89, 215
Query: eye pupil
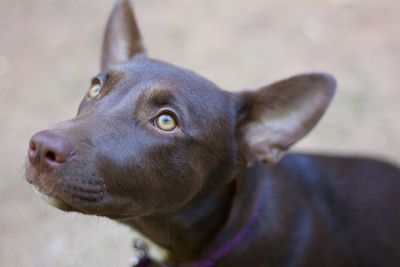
165, 122
166, 118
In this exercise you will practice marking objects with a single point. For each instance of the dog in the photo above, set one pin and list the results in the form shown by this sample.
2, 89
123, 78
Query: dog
200, 171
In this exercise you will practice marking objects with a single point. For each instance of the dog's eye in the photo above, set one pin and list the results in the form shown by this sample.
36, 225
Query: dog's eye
165, 122
95, 90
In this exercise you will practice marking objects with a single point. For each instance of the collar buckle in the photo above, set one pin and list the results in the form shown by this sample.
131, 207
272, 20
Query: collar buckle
141, 258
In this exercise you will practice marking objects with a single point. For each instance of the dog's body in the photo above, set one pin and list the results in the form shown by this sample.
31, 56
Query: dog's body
324, 211
168, 153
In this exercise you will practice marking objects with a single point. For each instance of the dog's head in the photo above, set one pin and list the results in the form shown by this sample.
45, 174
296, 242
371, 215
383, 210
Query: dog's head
149, 136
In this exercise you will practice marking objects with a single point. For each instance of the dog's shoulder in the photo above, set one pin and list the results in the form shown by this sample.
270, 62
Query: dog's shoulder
350, 168
358, 183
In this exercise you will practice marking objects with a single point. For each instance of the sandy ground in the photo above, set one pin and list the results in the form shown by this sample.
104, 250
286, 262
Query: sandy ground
50, 49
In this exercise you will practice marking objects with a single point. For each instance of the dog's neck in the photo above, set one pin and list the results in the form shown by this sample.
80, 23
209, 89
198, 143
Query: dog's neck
209, 221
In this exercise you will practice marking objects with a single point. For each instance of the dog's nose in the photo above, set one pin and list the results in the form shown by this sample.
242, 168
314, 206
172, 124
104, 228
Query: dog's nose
48, 150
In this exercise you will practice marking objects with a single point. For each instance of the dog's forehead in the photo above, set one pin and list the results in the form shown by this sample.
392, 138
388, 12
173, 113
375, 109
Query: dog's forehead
144, 73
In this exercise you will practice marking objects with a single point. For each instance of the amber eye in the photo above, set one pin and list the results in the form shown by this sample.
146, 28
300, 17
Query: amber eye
95, 90
165, 122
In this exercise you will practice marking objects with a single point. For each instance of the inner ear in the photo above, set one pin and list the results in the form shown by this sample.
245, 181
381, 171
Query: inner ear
122, 39
276, 116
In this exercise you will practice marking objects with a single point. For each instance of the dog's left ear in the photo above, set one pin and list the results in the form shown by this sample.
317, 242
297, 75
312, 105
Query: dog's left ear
122, 39
276, 116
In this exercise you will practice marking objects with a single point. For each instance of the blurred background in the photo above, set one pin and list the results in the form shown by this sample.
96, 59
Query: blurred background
49, 50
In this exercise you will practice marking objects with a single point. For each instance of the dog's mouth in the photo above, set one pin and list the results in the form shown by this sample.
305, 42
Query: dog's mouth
46, 190
55, 201
67, 194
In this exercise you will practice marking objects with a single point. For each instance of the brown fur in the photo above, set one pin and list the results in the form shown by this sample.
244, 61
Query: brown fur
192, 188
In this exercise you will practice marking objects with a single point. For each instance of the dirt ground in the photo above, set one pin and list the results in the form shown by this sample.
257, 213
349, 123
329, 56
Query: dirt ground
49, 49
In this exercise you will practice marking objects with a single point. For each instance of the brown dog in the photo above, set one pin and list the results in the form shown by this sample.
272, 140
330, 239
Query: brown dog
168, 153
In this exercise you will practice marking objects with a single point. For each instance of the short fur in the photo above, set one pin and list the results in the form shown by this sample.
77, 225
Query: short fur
191, 189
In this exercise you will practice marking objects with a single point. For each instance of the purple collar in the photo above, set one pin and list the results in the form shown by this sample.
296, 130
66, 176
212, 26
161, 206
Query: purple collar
220, 252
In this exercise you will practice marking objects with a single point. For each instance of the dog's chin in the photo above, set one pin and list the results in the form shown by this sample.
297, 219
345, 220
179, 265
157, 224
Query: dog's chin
56, 202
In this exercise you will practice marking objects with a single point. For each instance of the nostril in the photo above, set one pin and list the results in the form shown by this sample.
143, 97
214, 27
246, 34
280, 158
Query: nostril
57, 152
51, 156
32, 153
32, 146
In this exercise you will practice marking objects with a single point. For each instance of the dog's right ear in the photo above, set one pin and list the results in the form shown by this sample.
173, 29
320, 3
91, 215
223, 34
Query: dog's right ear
122, 39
